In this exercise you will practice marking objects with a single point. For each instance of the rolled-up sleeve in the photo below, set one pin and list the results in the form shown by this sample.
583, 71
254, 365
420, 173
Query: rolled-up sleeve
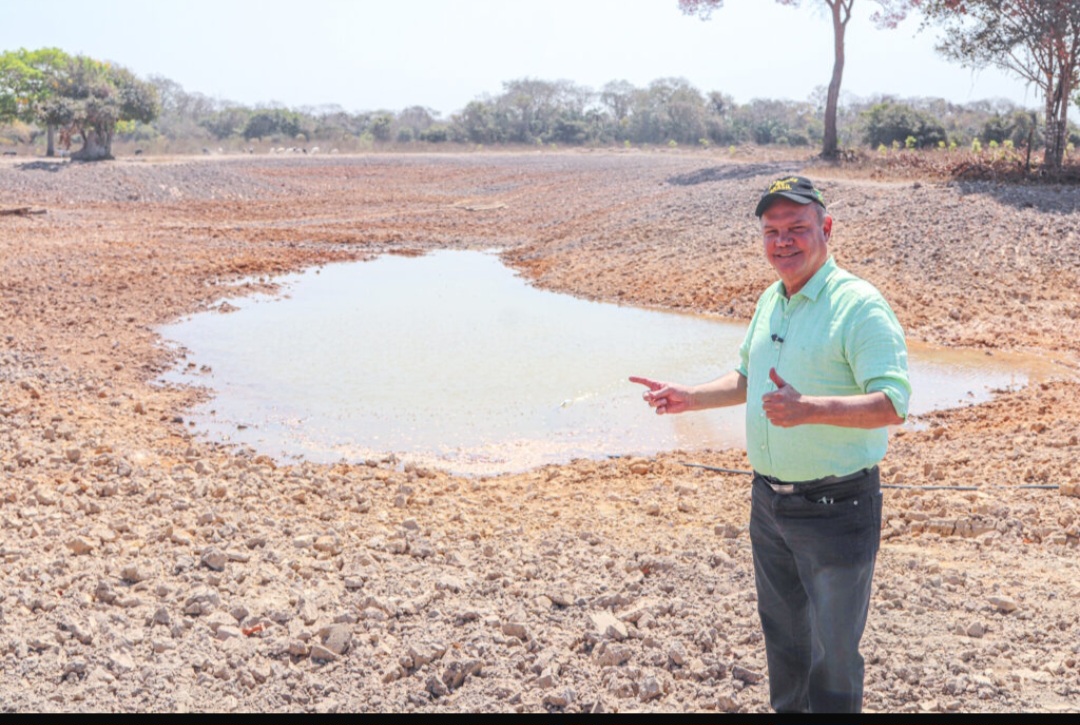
877, 353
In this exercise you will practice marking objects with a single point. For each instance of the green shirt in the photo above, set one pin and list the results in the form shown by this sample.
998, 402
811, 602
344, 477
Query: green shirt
836, 336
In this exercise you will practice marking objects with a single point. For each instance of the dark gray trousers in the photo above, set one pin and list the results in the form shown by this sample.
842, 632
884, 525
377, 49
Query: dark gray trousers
814, 554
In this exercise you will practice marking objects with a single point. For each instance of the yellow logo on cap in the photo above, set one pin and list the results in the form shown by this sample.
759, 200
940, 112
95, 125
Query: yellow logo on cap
786, 184
783, 185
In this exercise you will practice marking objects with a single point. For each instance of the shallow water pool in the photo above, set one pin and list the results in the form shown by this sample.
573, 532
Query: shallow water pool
453, 360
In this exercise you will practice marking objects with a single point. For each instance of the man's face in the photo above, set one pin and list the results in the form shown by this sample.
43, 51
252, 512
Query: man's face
795, 241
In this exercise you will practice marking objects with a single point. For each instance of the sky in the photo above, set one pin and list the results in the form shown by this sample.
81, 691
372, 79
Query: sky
366, 55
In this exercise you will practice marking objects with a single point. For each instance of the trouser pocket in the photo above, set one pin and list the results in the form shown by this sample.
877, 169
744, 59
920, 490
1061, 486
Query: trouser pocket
841, 491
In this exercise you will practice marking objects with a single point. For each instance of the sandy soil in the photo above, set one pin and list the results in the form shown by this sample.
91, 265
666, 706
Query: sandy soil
142, 569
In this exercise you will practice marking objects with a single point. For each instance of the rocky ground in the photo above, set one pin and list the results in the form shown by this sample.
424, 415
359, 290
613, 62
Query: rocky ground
143, 569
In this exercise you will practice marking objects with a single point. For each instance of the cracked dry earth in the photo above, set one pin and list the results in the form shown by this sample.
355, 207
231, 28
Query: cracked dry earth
144, 569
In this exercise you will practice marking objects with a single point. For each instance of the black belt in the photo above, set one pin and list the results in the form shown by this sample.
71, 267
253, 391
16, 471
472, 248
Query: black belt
787, 487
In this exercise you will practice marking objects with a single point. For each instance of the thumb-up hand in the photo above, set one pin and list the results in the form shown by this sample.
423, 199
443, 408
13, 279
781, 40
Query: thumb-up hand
785, 407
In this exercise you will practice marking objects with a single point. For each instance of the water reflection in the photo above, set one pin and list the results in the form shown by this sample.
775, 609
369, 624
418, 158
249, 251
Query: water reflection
451, 359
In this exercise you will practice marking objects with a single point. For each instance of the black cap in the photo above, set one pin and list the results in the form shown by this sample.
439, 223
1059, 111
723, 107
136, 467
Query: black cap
796, 188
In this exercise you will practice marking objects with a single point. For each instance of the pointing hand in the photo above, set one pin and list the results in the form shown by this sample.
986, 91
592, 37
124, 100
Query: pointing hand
664, 397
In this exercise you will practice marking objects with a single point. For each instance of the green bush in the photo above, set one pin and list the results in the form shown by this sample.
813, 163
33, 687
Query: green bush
436, 134
227, 122
569, 131
380, 127
1017, 128
895, 123
272, 122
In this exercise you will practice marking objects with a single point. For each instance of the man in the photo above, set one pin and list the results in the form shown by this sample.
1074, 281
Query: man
823, 371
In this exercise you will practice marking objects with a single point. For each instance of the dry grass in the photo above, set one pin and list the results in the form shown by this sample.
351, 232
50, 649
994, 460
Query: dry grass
989, 164
1009, 165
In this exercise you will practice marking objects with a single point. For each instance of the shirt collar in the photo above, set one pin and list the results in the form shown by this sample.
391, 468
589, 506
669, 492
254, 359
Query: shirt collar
815, 284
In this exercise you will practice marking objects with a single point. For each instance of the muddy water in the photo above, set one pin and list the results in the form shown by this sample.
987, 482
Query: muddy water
452, 360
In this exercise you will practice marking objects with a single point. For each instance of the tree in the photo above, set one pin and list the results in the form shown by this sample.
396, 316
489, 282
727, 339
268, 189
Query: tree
531, 107
413, 123
722, 120
616, 101
272, 122
477, 123
618, 97
1039, 40
890, 13
29, 82
92, 97
96, 96
381, 125
670, 109
229, 121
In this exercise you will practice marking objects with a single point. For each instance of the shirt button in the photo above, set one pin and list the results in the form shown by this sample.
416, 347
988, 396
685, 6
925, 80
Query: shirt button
762, 447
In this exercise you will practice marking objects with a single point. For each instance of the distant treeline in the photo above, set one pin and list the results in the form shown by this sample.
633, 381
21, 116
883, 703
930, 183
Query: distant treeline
668, 112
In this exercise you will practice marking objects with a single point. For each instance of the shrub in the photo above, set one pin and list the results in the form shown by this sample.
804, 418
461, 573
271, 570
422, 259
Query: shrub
436, 134
380, 127
895, 123
570, 131
996, 129
272, 122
